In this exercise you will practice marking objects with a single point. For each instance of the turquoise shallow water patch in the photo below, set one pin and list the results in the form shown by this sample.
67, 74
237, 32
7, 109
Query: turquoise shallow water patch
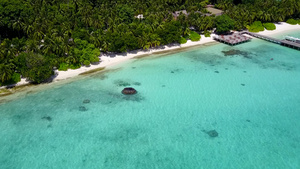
249, 99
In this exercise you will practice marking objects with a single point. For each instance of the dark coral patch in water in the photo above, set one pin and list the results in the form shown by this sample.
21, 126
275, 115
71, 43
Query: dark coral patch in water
237, 52
129, 91
121, 83
82, 108
47, 118
124, 134
86, 101
216, 71
134, 98
248, 120
176, 70
137, 83
102, 77
243, 84
207, 58
211, 133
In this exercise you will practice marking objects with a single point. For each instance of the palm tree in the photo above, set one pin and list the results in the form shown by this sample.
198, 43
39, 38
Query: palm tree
6, 72
18, 25
155, 40
291, 6
32, 45
85, 11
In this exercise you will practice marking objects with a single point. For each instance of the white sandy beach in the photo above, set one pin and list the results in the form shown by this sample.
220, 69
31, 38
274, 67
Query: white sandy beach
107, 61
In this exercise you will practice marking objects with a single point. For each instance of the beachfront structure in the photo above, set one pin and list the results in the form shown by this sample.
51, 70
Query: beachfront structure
177, 13
214, 11
210, 6
140, 16
210, 9
238, 38
232, 39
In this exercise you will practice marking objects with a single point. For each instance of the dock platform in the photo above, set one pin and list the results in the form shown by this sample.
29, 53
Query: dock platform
284, 42
238, 38
232, 39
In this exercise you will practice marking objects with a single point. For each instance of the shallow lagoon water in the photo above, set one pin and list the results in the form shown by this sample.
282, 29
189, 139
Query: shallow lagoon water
211, 107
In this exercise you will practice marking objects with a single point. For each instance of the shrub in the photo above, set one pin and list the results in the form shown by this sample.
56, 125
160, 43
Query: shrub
86, 63
298, 21
269, 26
15, 78
63, 67
94, 59
292, 21
256, 27
75, 66
206, 33
194, 36
182, 40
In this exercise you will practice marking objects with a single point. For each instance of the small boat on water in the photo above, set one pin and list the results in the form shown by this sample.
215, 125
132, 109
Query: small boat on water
293, 39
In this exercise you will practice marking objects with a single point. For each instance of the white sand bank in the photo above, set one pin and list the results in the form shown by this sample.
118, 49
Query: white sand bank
107, 61
281, 27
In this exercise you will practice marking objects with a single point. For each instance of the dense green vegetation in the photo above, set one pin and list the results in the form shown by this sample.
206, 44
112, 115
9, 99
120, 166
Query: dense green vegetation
194, 36
256, 27
39, 35
224, 24
206, 33
269, 26
245, 12
292, 21
182, 40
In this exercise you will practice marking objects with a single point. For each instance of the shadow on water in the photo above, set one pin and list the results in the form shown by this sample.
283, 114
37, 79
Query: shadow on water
178, 70
22, 118
261, 56
115, 98
121, 134
235, 52
268, 62
48, 118
207, 58
126, 83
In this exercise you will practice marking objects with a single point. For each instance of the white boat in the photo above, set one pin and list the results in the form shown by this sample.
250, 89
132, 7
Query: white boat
293, 39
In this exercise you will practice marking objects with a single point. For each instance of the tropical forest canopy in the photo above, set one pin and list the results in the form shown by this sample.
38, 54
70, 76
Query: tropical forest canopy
39, 35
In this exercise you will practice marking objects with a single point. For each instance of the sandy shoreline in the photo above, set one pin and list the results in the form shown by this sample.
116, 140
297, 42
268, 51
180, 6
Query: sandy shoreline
107, 61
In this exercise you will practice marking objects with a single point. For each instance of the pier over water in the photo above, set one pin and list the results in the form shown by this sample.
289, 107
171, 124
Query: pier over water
284, 42
238, 38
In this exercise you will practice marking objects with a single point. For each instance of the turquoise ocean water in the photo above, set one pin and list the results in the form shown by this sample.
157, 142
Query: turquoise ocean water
209, 107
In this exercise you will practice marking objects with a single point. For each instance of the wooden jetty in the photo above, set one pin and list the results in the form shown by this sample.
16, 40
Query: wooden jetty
284, 42
238, 38
290, 44
232, 39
